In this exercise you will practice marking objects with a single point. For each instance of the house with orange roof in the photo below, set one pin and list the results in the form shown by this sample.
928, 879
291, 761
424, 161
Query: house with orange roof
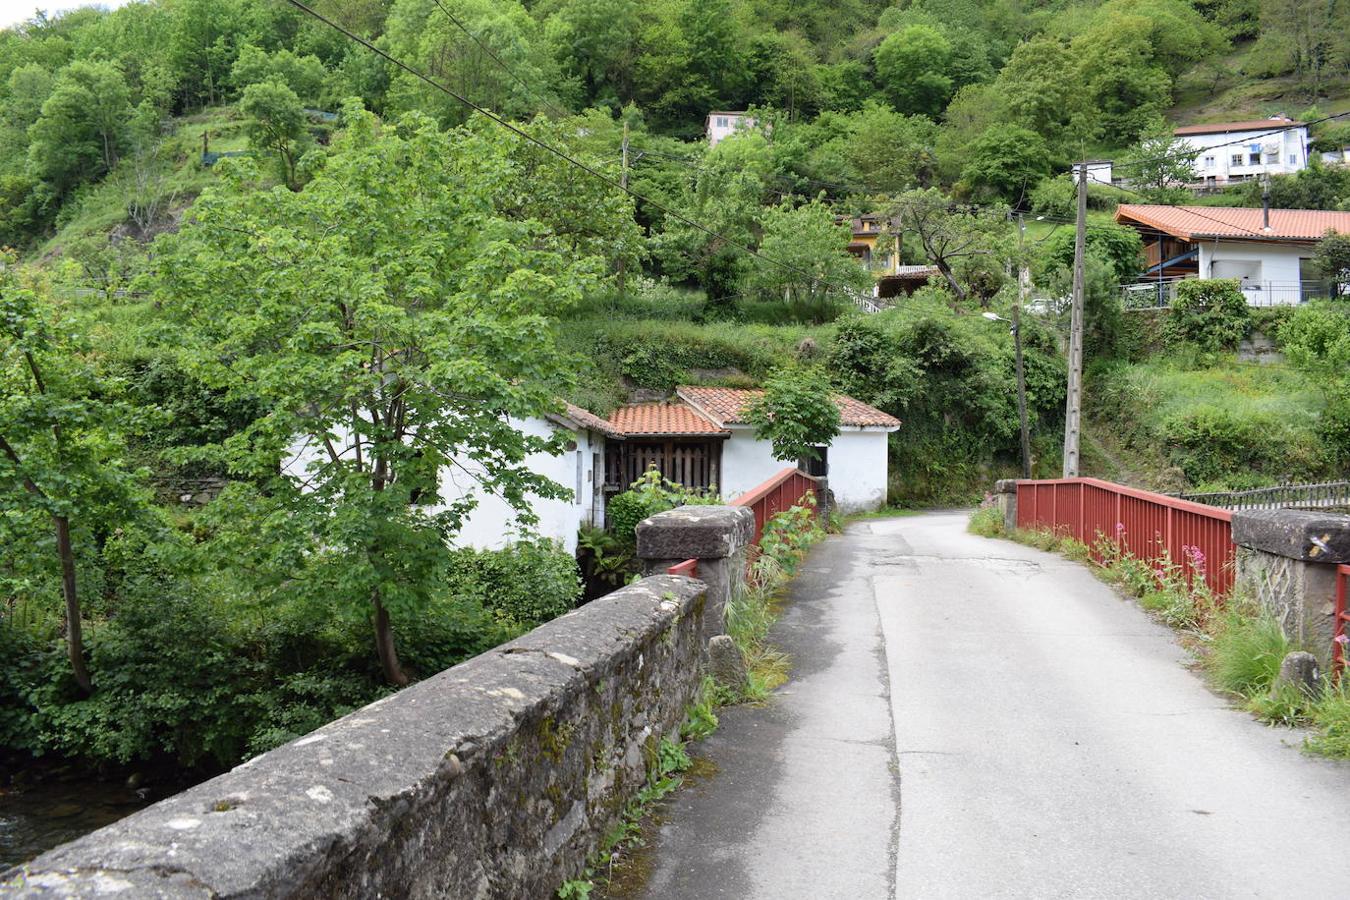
492, 523
702, 438
1268, 251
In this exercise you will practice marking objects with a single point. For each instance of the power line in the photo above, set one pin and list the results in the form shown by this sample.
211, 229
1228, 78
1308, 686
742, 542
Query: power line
552, 107
590, 170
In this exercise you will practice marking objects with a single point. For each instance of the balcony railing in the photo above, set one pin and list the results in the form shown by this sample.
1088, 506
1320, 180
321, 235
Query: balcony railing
1147, 293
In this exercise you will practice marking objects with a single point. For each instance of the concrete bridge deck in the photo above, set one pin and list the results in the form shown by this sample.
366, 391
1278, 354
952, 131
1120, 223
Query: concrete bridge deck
974, 718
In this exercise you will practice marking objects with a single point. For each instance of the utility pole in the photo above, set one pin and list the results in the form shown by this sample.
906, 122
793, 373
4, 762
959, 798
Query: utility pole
1074, 406
1023, 283
623, 183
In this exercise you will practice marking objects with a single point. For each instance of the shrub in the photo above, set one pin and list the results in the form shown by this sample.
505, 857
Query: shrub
1333, 428
1317, 337
1211, 314
648, 496
525, 584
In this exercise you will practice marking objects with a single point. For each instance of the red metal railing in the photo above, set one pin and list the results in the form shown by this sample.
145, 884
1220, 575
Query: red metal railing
1149, 526
1342, 599
783, 491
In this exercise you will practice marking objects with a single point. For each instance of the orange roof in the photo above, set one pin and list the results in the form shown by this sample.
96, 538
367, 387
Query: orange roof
661, 418
728, 406
1227, 127
589, 420
1198, 222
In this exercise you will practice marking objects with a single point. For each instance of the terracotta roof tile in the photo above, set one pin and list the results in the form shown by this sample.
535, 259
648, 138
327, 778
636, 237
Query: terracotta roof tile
590, 420
729, 405
1192, 222
1227, 127
661, 418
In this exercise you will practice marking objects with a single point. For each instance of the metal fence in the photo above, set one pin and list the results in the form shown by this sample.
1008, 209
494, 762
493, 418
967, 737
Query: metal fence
781, 492
1148, 526
1151, 293
1321, 495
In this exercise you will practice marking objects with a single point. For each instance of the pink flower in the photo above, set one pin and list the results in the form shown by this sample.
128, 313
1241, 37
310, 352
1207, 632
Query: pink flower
1120, 528
1342, 639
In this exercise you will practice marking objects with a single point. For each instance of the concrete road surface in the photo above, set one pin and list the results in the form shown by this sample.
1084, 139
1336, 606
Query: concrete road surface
970, 718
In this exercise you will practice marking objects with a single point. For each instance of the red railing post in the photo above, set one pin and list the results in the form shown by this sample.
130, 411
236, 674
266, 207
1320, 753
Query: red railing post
1338, 636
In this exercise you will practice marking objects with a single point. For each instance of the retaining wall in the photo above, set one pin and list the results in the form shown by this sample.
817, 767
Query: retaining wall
493, 779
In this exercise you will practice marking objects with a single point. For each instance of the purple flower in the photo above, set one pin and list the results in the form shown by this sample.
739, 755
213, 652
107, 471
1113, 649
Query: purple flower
1342, 639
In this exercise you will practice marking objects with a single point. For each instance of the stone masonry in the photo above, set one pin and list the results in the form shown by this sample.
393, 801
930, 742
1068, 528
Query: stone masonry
494, 779
717, 536
1287, 558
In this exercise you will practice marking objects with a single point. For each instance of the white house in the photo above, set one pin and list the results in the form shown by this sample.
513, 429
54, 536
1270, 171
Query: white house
703, 438
1099, 171
1236, 151
723, 124
492, 523
1268, 251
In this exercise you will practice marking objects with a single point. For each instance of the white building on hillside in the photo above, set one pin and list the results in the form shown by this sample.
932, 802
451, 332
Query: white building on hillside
1237, 151
723, 124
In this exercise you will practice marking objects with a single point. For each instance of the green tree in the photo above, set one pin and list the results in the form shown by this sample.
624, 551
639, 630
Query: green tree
952, 237
1211, 313
1006, 162
913, 68
420, 32
1332, 259
305, 75
816, 270
396, 321
1306, 37
796, 413
598, 42
276, 125
886, 151
60, 453
1160, 164
82, 129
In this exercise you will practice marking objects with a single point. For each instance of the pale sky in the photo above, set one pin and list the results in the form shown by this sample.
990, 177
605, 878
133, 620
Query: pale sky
14, 11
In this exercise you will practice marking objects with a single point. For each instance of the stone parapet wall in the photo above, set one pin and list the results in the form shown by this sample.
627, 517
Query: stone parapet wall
493, 779
1287, 560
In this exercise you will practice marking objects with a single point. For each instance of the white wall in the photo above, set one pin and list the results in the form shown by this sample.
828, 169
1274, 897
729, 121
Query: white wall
491, 525
1272, 269
720, 127
857, 458
1289, 149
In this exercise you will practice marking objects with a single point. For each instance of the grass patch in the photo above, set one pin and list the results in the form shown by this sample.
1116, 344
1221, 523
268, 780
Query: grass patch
1216, 423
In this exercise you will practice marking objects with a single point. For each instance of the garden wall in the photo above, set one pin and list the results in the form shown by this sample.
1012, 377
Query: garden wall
494, 779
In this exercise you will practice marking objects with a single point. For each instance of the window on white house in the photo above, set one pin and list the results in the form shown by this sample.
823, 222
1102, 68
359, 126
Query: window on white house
1237, 159
1209, 162
721, 121
1293, 159
1254, 158
1272, 158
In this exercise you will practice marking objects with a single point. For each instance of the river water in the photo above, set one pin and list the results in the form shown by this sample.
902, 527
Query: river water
37, 816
